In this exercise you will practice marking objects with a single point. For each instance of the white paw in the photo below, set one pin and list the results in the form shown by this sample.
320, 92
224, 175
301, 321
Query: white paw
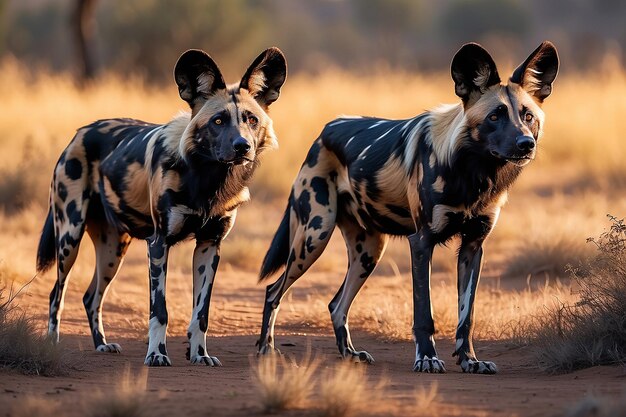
206, 360
473, 366
157, 359
429, 365
110, 348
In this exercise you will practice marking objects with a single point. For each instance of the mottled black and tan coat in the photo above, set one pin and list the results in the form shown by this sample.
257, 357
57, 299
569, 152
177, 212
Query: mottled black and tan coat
441, 174
120, 179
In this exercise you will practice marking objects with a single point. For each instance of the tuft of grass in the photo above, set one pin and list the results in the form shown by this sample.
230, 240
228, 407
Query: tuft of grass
284, 384
128, 399
22, 347
344, 391
591, 331
427, 399
547, 256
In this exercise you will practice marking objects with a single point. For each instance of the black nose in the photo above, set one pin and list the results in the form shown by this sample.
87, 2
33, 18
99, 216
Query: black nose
525, 143
241, 146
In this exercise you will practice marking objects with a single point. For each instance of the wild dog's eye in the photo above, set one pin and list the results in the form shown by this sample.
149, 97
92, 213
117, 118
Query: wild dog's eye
529, 117
253, 121
218, 121
493, 117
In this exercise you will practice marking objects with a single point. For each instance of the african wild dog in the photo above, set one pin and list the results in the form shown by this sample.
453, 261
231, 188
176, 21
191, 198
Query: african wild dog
441, 174
121, 179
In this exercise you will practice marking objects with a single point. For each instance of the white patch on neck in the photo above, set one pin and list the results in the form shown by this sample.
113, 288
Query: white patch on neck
447, 124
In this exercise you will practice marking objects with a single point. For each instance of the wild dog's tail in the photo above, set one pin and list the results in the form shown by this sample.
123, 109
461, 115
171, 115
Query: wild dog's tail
278, 252
46, 253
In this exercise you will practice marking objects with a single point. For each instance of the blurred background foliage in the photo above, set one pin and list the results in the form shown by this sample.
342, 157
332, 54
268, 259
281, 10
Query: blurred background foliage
145, 37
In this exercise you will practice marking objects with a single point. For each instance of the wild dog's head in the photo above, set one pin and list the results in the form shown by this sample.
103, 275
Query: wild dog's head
229, 124
504, 120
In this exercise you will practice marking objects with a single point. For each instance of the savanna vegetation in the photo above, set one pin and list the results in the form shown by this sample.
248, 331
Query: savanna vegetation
545, 286
561, 199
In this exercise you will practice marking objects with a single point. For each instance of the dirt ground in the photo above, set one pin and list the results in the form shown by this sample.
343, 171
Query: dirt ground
520, 388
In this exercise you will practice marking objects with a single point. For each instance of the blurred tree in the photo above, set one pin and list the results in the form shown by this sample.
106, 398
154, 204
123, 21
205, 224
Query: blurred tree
147, 36
84, 28
387, 15
40, 36
473, 19
391, 25
3, 25
150, 35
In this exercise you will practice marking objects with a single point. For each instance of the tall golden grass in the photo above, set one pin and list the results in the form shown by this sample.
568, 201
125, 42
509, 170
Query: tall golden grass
560, 199
283, 384
127, 398
583, 140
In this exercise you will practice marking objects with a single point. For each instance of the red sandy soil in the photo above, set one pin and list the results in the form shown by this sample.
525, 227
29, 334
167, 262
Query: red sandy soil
520, 388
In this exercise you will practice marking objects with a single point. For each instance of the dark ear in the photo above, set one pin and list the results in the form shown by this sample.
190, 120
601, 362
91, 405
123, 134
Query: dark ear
266, 76
197, 77
473, 72
537, 73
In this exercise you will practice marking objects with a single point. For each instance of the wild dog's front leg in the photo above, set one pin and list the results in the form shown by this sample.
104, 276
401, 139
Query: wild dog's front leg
205, 260
157, 254
469, 265
426, 359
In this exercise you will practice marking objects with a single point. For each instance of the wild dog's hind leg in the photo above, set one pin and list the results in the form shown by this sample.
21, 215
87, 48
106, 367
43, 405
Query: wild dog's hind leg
110, 248
312, 221
205, 260
69, 201
469, 266
365, 249
297, 265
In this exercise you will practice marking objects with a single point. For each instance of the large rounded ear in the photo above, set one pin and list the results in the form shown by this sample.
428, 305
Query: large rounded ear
266, 76
537, 73
197, 77
473, 72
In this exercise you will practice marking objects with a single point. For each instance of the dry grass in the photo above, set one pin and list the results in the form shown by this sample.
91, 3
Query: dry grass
344, 391
548, 258
558, 201
284, 384
539, 234
385, 308
338, 390
312, 101
591, 331
427, 401
22, 346
127, 399
18, 189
